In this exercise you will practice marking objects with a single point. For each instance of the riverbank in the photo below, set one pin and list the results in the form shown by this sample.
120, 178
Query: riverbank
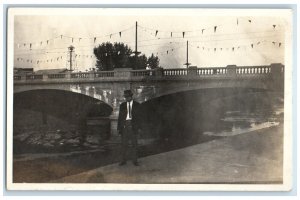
254, 157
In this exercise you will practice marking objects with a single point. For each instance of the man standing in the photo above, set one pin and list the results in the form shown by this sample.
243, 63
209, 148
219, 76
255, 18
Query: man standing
128, 126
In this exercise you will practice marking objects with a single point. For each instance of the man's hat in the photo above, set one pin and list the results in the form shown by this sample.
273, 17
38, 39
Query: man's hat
128, 93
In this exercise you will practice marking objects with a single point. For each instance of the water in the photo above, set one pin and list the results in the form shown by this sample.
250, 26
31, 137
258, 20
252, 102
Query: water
191, 117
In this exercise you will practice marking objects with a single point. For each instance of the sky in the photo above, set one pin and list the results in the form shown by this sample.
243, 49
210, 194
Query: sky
41, 37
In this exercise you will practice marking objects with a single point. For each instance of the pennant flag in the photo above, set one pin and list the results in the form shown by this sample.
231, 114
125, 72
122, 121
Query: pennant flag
215, 28
156, 33
183, 34
252, 46
171, 34
237, 21
279, 44
203, 30
120, 33
95, 39
274, 26
249, 21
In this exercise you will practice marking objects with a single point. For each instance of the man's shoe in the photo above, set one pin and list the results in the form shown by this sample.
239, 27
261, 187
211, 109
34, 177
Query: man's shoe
136, 163
122, 163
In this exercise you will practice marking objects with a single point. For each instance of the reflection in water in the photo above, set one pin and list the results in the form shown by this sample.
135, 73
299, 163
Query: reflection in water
191, 116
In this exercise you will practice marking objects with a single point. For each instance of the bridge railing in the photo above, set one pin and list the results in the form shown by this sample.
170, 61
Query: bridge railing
17, 77
104, 74
229, 71
34, 77
139, 73
211, 71
175, 72
253, 69
56, 76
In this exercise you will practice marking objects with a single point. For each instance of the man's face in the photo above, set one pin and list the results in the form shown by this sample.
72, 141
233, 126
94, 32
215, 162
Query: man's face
128, 98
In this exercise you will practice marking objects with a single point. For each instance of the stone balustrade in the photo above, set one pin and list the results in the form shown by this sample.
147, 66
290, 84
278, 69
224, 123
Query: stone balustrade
230, 70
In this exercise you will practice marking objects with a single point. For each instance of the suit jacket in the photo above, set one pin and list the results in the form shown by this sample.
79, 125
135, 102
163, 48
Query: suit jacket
134, 113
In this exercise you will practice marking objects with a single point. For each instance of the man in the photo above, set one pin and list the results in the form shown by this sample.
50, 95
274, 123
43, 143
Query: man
128, 126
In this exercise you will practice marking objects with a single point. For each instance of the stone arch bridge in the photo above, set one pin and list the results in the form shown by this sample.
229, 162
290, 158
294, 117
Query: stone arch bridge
108, 86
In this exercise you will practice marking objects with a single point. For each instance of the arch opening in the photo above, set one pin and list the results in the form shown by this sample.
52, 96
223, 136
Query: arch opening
51, 118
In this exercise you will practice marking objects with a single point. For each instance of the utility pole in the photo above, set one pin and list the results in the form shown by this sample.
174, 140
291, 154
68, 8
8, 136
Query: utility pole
70, 52
187, 55
136, 50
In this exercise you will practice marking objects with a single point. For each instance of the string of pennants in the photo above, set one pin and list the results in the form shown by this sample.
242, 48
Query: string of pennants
168, 51
183, 34
53, 59
72, 39
252, 45
236, 48
152, 31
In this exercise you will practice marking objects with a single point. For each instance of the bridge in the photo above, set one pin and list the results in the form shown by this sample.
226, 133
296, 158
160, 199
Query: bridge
108, 86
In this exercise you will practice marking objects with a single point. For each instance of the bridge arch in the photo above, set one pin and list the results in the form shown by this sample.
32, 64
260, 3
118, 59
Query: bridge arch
73, 108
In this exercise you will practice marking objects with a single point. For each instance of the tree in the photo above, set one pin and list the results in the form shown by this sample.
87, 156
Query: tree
118, 55
110, 56
153, 62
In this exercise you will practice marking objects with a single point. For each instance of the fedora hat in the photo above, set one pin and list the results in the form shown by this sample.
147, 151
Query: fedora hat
128, 93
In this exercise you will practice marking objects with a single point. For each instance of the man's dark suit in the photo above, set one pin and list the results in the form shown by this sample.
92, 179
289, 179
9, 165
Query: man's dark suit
123, 114
129, 129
